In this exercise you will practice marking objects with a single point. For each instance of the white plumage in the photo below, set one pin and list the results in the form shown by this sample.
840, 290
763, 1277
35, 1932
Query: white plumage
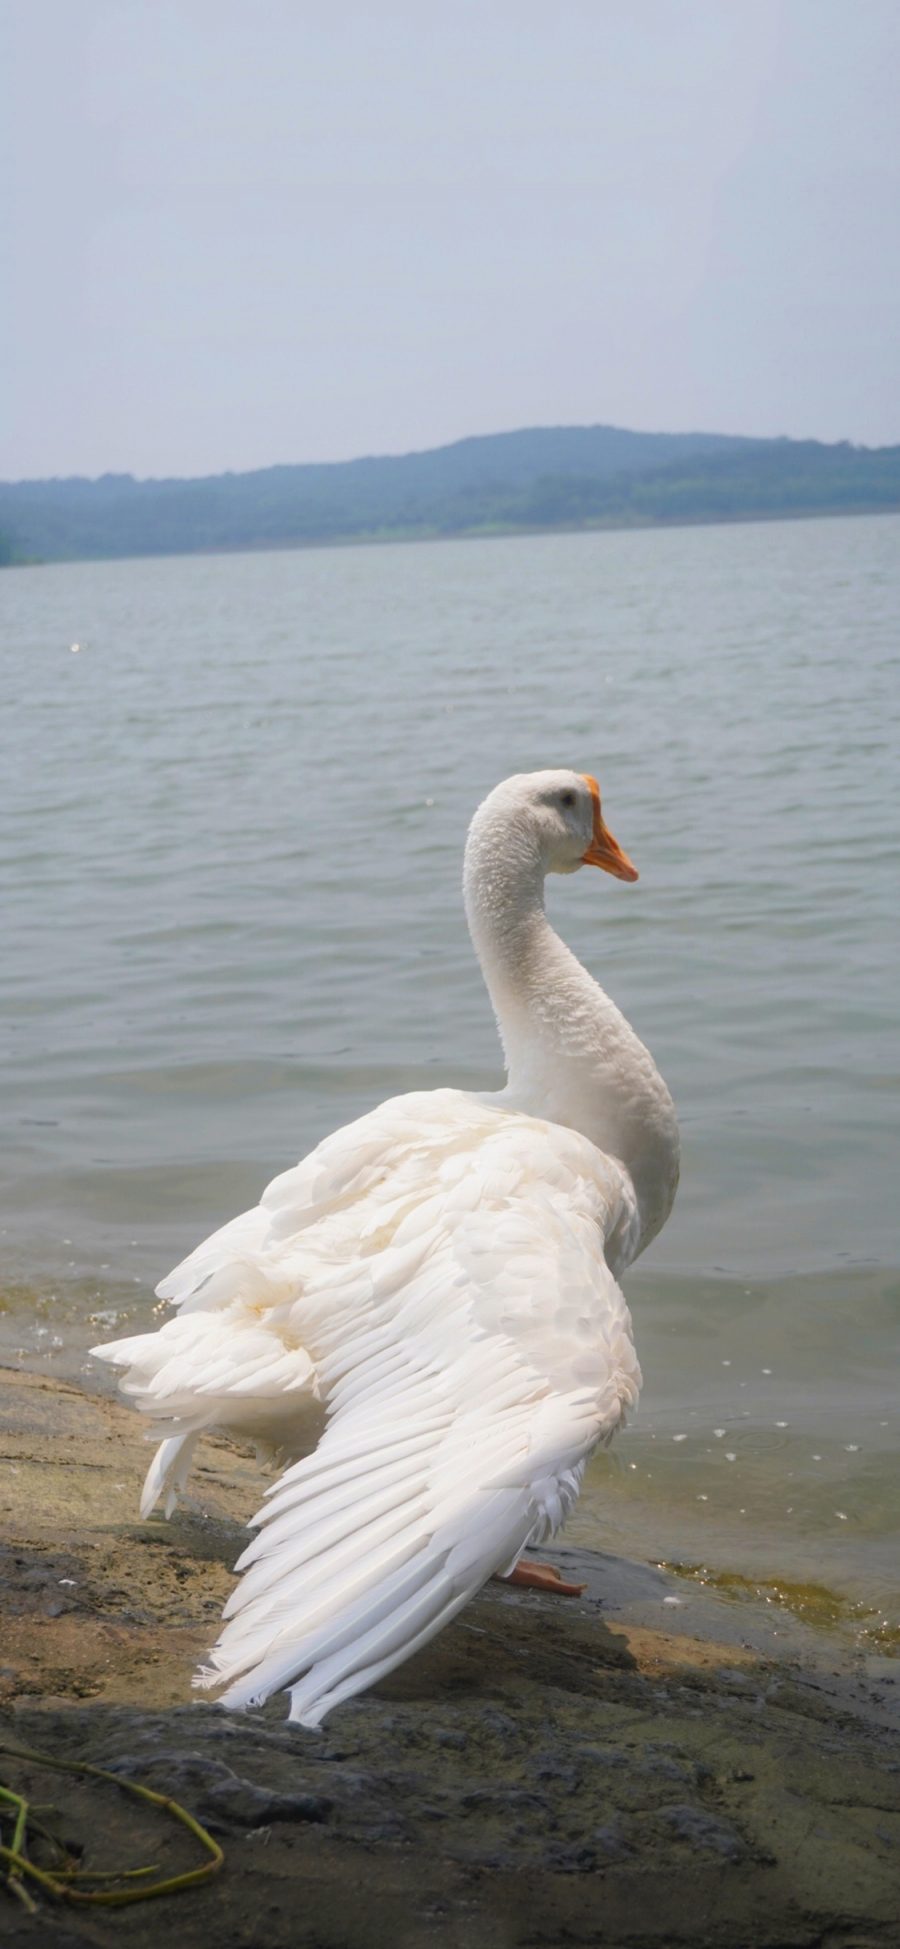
436, 1286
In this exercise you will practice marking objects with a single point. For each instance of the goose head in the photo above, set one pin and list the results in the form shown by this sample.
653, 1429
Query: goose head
556, 818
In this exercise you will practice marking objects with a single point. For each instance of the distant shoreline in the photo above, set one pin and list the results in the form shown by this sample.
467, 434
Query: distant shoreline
406, 538
539, 480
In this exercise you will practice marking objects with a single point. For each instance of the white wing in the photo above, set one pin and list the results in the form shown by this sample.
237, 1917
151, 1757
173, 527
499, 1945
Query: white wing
451, 1290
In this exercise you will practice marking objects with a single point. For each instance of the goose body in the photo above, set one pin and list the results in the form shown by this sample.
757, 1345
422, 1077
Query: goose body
423, 1318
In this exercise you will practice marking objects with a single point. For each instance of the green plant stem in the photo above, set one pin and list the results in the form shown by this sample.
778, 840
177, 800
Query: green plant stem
59, 1884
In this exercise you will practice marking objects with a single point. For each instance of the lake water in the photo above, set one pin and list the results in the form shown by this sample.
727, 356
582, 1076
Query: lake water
231, 847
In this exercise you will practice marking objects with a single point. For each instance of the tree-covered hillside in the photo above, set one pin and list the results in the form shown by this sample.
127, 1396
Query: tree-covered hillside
540, 478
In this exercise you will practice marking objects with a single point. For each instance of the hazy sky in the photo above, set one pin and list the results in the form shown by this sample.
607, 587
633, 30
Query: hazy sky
245, 231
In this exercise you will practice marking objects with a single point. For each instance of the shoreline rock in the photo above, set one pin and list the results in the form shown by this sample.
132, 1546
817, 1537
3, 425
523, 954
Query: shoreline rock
650, 1765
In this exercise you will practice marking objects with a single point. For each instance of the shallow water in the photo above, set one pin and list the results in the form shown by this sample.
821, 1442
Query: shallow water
232, 846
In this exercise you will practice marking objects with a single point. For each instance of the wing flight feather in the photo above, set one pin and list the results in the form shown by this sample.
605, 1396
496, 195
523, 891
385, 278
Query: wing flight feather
472, 1347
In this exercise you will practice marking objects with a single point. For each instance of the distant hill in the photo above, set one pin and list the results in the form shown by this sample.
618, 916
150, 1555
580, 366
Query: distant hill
540, 478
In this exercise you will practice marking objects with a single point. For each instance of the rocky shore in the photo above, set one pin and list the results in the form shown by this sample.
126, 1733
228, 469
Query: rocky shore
653, 1764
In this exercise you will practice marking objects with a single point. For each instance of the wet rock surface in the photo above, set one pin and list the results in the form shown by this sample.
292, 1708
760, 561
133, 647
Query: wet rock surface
609, 1770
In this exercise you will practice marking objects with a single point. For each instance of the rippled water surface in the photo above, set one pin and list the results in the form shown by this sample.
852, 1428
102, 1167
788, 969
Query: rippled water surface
231, 849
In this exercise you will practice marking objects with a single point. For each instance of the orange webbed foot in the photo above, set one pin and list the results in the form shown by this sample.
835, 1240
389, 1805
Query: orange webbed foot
542, 1576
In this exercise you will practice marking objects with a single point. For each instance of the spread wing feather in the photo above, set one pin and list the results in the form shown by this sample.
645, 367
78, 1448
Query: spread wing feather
479, 1351
437, 1273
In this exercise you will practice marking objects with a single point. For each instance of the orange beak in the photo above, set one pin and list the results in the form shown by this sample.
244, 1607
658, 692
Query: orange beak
604, 850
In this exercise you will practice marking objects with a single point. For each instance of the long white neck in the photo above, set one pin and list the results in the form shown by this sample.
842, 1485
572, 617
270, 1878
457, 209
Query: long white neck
571, 1057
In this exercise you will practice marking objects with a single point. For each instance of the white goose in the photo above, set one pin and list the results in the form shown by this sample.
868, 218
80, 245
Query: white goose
436, 1284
